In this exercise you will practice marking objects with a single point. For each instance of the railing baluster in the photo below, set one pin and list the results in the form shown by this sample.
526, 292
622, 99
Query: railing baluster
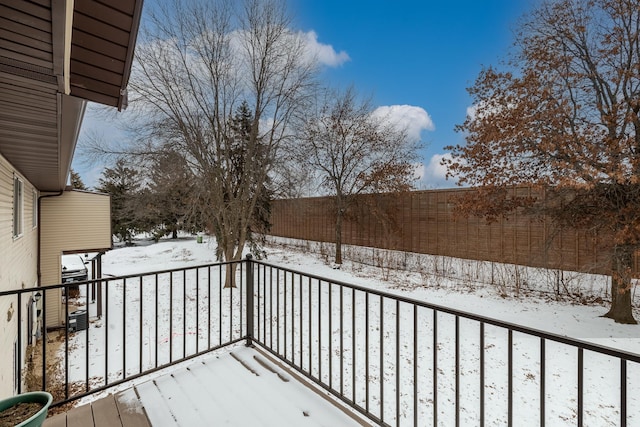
293, 318
124, 328
209, 308
271, 308
44, 338
184, 313
310, 367
543, 381
623, 393
580, 387
398, 362
481, 374
220, 304
284, 314
435, 367
106, 332
381, 373
231, 281
353, 345
330, 335
301, 320
197, 310
66, 342
415, 365
341, 342
156, 322
259, 304
457, 369
278, 310
171, 317
18, 356
249, 300
140, 295
510, 378
242, 296
86, 342
319, 330
366, 350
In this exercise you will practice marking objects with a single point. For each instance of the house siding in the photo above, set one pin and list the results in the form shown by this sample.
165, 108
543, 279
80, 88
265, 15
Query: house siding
18, 269
76, 221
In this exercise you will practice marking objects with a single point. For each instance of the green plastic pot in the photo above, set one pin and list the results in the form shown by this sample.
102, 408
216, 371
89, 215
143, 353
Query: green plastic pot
38, 418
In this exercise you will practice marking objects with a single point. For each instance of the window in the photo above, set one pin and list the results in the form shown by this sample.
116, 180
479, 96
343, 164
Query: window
34, 210
17, 207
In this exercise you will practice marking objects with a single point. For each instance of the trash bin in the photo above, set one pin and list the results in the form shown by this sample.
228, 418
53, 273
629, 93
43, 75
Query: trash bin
199, 238
78, 321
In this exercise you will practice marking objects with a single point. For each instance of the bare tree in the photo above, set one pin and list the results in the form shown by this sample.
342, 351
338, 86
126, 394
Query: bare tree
352, 151
565, 117
197, 62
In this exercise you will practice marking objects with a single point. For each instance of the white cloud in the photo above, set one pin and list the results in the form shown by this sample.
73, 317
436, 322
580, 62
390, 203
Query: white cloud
413, 119
472, 111
325, 54
433, 174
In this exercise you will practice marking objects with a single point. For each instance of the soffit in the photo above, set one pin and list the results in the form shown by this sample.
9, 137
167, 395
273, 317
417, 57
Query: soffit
54, 56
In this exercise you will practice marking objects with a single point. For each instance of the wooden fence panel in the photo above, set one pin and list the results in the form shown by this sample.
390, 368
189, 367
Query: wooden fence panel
424, 222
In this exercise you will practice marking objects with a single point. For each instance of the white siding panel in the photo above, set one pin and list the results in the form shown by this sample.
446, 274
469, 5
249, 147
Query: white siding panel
18, 267
76, 221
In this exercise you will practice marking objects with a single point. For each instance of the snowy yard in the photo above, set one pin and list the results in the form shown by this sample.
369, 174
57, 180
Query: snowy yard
350, 339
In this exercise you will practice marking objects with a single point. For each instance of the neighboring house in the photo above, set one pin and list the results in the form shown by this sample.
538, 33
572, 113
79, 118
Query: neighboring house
55, 55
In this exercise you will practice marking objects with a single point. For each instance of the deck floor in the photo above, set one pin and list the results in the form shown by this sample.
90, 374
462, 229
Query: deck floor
241, 387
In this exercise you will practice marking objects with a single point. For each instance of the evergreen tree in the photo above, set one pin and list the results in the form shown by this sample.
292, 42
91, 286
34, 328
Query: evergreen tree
123, 183
76, 181
170, 190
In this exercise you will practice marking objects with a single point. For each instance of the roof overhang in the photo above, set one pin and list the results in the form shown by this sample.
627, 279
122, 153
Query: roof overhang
55, 55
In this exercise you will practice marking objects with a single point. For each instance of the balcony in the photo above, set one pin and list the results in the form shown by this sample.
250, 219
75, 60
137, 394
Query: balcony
386, 359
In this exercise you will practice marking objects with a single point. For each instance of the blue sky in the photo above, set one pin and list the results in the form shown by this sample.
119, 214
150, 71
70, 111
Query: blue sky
422, 54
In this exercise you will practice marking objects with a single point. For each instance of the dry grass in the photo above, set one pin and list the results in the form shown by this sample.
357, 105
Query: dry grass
55, 383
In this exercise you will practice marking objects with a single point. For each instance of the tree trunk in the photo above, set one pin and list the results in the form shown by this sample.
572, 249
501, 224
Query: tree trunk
339, 237
230, 276
620, 310
174, 233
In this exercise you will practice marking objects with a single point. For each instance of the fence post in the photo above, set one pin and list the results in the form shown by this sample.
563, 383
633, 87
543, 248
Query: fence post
249, 300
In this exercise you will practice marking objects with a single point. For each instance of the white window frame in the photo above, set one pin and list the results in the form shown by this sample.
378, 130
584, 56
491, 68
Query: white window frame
34, 209
18, 207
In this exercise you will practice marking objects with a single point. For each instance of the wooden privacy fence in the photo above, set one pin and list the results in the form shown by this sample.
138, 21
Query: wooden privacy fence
424, 222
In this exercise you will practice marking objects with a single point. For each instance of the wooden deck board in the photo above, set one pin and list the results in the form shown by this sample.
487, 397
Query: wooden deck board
210, 391
58, 420
131, 411
80, 417
105, 412
153, 402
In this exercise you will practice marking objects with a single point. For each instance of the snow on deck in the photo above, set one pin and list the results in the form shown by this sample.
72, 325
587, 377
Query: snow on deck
237, 388
233, 387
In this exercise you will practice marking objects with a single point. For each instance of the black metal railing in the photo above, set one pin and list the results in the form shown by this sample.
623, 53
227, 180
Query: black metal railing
396, 360
403, 362
136, 325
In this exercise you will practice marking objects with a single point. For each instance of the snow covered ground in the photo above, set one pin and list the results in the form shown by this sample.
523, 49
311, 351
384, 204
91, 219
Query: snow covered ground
133, 310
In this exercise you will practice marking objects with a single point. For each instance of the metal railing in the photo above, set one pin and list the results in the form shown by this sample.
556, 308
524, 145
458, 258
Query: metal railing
402, 362
396, 360
121, 328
